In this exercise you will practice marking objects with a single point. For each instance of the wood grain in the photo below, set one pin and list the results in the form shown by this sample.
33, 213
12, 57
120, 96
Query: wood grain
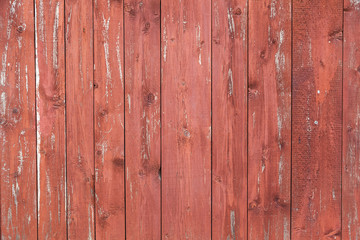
50, 99
79, 119
142, 114
186, 118
109, 119
316, 119
17, 121
351, 124
229, 119
269, 114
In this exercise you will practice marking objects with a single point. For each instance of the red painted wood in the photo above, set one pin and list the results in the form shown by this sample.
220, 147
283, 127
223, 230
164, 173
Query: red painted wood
50, 112
17, 121
186, 119
142, 115
269, 114
351, 126
229, 119
79, 119
109, 119
316, 119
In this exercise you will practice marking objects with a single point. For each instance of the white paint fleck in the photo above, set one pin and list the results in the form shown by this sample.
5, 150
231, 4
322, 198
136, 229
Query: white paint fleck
3, 103
118, 57
231, 82
273, 9
316, 122
198, 41
232, 223
105, 33
3, 65
318, 91
55, 37
129, 102
165, 41
231, 21
281, 167
356, 4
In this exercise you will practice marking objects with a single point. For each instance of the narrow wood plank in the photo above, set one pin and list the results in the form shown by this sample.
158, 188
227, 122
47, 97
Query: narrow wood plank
109, 120
269, 162
79, 119
50, 98
186, 118
351, 124
17, 121
316, 119
142, 114
229, 124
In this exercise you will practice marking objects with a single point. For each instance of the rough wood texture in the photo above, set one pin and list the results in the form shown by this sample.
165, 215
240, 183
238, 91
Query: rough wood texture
17, 121
142, 114
109, 119
79, 119
351, 124
316, 119
229, 124
269, 114
50, 99
186, 119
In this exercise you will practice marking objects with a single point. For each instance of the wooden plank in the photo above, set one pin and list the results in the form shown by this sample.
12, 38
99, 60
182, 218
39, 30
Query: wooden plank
269, 161
351, 124
109, 119
186, 118
142, 114
229, 119
50, 99
79, 119
316, 119
17, 121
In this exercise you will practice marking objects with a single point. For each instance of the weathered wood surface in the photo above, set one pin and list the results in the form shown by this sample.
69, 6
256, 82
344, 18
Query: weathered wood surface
351, 124
150, 119
79, 119
186, 119
269, 113
50, 113
316, 119
109, 120
142, 114
18, 121
229, 119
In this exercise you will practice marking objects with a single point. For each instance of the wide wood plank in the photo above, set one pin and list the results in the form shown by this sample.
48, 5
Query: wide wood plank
351, 124
142, 114
229, 123
316, 119
79, 119
50, 99
269, 162
17, 121
109, 119
186, 119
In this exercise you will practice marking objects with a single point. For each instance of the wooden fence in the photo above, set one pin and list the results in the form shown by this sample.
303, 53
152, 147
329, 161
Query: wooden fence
180, 119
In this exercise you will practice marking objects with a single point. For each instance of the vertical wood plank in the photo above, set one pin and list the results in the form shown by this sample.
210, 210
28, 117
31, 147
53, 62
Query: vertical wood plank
186, 118
142, 114
229, 124
316, 119
17, 121
269, 112
351, 124
50, 99
109, 120
79, 119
